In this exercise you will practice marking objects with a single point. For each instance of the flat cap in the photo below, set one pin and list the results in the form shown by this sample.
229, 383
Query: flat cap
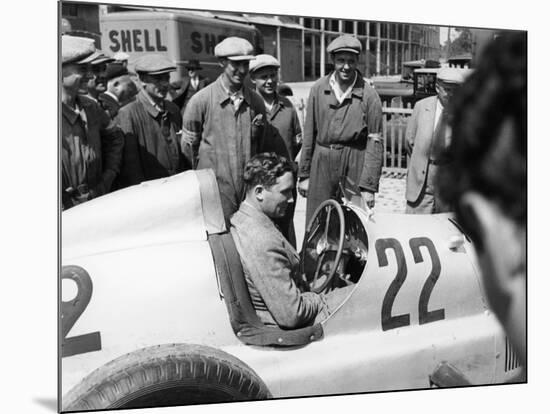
74, 49
193, 64
100, 58
345, 43
154, 64
453, 75
114, 70
263, 61
121, 56
234, 48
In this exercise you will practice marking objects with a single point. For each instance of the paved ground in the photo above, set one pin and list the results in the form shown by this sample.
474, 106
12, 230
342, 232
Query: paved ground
390, 199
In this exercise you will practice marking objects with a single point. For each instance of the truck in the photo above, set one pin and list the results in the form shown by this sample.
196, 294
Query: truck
180, 36
416, 82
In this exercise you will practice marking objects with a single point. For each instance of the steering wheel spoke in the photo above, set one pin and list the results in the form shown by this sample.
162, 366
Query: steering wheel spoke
327, 249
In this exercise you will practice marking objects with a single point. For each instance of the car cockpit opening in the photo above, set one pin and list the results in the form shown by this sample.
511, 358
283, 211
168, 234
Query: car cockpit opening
335, 247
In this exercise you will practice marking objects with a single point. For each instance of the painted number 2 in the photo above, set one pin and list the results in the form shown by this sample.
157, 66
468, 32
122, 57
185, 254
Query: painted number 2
72, 310
390, 321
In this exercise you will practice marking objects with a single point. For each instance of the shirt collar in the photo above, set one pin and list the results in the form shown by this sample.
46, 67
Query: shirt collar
150, 106
73, 114
225, 94
340, 96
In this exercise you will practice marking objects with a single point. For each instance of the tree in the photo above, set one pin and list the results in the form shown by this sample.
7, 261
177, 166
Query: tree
461, 44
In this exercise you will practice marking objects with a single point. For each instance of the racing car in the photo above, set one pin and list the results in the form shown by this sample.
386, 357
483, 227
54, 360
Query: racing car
155, 311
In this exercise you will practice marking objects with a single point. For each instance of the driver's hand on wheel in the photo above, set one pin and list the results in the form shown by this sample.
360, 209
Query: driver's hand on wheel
368, 198
303, 186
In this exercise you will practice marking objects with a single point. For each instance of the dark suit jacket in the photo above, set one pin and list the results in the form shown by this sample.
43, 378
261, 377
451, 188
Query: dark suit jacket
184, 91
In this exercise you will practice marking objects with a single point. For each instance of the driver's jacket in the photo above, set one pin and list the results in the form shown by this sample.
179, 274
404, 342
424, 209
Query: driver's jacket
270, 265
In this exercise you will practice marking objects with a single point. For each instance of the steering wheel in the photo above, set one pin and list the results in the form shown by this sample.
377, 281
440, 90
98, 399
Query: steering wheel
322, 246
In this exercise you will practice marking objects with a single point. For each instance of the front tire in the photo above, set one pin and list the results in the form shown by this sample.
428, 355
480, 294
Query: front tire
167, 375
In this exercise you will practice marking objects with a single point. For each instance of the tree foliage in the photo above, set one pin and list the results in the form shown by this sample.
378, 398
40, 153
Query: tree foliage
461, 44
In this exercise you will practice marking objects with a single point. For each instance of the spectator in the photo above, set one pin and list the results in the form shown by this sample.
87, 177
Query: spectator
120, 89
427, 136
97, 83
189, 85
282, 127
91, 144
224, 122
151, 125
342, 131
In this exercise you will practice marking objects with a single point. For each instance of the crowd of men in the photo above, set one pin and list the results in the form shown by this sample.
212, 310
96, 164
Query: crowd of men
118, 132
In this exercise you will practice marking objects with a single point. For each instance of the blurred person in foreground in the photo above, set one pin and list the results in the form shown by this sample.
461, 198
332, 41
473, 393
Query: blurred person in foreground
91, 144
485, 182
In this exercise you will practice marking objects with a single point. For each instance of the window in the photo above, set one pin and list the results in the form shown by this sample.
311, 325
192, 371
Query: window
372, 29
348, 26
69, 10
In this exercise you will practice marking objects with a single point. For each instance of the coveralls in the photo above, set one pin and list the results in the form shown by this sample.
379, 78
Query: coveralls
91, 150
224, 136
151, 147
335, 143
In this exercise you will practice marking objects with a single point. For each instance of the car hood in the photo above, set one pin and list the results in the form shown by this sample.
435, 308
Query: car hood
180, 208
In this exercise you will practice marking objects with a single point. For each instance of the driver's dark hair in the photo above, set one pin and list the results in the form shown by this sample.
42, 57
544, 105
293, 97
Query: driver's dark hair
489, 131
264, 169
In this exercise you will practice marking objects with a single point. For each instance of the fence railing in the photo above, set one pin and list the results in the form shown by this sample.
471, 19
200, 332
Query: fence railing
394, 124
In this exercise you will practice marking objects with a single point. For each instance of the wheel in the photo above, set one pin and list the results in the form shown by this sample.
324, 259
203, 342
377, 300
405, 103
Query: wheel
318, 252
167, 375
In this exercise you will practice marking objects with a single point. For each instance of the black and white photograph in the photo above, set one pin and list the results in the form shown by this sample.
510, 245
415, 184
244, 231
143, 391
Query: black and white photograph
271, 209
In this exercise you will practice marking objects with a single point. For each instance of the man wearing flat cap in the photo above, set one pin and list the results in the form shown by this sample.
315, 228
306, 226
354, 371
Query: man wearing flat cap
91, 144
427, 136
120, 89
342, 131
282, 126
224, 122
189, 85
97, 83
151, 126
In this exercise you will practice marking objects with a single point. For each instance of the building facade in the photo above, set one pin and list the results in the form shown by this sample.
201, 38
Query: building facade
300, 42
385, 45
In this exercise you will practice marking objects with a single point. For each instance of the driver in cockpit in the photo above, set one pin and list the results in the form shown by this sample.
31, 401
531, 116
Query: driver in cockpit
270, 263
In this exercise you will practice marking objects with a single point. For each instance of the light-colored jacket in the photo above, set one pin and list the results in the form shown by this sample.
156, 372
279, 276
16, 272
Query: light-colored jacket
419, 135
271, 267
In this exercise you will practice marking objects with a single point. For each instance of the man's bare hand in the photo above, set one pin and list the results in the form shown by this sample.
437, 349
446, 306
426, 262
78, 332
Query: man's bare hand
303, 187
368, 198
